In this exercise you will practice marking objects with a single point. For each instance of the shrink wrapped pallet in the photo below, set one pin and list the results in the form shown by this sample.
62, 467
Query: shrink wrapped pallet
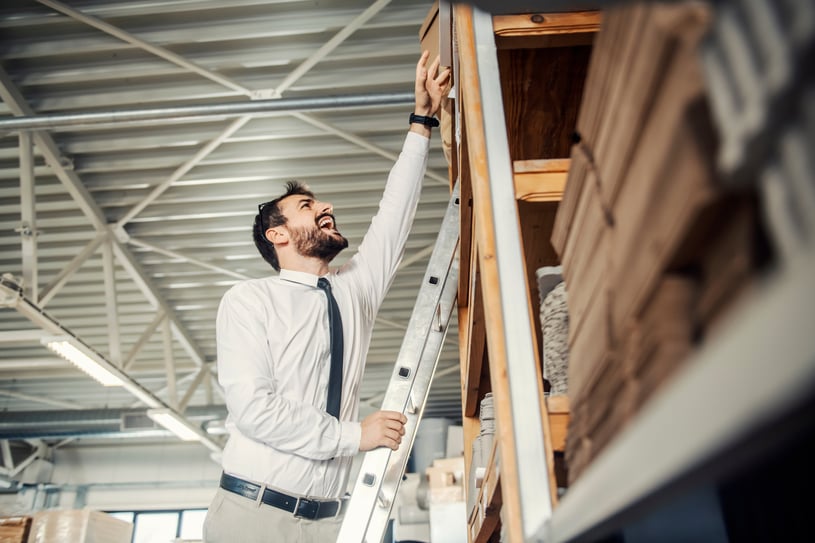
79, 526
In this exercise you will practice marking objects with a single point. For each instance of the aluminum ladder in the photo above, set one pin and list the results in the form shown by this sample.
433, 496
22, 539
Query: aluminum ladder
369, 508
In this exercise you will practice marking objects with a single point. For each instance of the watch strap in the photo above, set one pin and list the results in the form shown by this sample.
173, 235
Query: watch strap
422, 119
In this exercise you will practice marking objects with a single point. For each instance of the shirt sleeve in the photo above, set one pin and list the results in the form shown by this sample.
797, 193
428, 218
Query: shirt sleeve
383, 246
258, 411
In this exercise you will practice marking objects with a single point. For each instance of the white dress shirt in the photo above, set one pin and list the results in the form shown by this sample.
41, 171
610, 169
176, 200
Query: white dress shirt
274, 352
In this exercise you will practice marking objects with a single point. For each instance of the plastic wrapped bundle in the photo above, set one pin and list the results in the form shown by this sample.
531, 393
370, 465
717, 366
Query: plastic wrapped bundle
554, 316
482, 446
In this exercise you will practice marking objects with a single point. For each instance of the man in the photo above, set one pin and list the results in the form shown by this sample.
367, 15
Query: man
293, 429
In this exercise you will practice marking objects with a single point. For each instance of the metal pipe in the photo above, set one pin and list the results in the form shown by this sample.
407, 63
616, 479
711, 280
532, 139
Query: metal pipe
39, 399
60, 418
94, 423
232, 109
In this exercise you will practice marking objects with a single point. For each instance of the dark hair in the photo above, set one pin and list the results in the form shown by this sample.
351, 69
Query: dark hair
269, 216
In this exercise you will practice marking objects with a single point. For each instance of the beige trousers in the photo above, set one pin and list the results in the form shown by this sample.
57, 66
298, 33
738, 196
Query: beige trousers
235, 519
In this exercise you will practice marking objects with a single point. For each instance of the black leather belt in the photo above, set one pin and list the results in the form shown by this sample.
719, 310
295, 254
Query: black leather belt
299, 507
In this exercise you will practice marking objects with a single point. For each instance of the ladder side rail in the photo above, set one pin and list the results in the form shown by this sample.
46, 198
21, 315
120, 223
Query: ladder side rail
400, 395
397, 461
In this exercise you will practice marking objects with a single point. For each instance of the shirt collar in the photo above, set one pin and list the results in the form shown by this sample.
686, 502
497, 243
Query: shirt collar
303, 278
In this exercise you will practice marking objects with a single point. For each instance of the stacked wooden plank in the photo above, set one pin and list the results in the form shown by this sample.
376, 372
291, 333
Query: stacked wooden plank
651, 248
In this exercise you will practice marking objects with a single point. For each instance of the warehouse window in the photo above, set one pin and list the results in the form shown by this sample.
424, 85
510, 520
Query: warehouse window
163, 526
155, 527
192, 524
126, 516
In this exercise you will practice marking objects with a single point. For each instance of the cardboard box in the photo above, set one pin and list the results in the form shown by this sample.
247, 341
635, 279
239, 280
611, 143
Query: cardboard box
436, 34
14, 529
79, 526
446, 480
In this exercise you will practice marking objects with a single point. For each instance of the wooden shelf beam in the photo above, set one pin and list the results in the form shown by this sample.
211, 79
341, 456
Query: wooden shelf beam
540, 180
558, 407
546, 29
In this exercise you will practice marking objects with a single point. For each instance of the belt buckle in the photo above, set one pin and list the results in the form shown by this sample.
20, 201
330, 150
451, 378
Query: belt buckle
312, 507
339, 507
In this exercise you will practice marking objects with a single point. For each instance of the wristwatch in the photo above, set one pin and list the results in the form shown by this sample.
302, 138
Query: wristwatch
421, 119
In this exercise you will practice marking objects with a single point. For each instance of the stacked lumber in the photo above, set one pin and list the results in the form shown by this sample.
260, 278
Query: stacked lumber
652, 249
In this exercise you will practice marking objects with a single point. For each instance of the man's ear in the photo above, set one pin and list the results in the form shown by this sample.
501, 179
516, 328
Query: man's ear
277, 235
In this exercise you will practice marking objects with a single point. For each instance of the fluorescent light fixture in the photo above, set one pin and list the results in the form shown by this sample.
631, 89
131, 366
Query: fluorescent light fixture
142, 393
83, 360
175, 423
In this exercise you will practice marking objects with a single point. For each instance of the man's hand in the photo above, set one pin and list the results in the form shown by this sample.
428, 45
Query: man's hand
431, 86
382, 429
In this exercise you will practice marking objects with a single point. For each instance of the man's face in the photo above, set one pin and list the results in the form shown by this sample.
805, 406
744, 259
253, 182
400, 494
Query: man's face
312, 228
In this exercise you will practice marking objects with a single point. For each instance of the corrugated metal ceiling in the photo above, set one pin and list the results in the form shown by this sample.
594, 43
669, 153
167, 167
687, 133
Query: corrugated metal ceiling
200, 179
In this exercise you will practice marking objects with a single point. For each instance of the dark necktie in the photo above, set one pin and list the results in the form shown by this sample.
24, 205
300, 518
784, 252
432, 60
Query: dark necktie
335, 374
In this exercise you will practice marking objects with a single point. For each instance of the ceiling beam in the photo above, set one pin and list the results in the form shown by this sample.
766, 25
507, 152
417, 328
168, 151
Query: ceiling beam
147, 46
294, 76
205, 151
21, 336
134, 269
362, 142
185, 258
40, 399
27, 308
71, 181
111, 303
329, 46
178, 60
169, 363
28, 217
181, 171
59, 281
129, 360
196, 382
59, 164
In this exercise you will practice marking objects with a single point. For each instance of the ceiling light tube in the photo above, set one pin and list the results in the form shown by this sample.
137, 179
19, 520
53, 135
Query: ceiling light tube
84, 359
175, 423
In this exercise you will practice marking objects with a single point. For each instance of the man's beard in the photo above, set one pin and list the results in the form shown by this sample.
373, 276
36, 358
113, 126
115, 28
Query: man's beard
313, 242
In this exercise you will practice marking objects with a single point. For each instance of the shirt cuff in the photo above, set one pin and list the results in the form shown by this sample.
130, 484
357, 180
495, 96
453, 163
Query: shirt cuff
350, 436
416, 143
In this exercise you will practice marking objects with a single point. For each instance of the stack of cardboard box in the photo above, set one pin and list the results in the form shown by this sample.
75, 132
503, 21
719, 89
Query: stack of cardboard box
652, 248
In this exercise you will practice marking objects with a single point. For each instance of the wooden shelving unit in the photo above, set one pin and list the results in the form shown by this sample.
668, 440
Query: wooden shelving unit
519, 81
512, 163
